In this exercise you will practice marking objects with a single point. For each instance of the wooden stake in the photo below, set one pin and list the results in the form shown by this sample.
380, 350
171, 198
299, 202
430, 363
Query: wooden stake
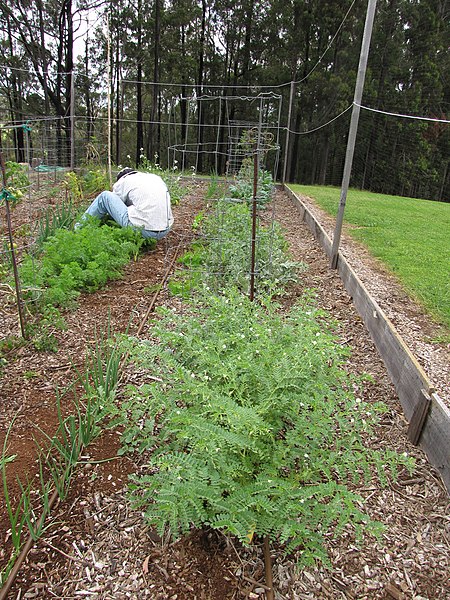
13, 254
268, 569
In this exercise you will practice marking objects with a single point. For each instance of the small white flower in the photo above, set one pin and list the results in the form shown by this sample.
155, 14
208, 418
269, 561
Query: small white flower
224, 346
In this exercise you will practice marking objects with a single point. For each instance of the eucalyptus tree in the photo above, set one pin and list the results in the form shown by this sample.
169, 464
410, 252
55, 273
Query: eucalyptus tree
91, 81
45, 33
13, 84
179, 61
316, 47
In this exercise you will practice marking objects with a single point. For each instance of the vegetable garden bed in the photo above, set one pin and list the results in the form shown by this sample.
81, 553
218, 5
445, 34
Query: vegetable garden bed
99, 547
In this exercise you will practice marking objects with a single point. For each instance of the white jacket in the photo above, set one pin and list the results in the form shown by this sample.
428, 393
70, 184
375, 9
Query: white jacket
148, 200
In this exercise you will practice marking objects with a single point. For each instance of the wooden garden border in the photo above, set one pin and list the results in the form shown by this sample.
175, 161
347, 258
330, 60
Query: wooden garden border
428, 416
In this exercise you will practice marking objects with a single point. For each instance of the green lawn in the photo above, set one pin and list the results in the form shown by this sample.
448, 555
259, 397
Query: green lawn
410, 236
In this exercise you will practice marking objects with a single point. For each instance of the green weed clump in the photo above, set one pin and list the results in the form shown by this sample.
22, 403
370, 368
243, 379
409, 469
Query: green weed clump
72, 262
87, 184
251, 425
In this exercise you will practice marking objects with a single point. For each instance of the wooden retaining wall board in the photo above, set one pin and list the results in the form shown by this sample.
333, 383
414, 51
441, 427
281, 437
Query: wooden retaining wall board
428, 416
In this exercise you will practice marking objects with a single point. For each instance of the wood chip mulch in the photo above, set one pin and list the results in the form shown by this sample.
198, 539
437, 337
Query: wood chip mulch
99, 547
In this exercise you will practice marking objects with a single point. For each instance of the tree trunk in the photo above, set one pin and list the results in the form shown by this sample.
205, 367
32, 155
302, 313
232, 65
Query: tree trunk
200, 112
69, 75
153, 145
119, 90
14, 94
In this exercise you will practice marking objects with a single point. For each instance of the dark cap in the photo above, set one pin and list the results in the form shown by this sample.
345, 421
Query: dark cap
126, 171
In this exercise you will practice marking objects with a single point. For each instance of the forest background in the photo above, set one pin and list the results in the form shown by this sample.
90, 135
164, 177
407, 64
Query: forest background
153, 79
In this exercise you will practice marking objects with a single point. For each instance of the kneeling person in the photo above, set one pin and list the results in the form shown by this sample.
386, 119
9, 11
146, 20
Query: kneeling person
138, 200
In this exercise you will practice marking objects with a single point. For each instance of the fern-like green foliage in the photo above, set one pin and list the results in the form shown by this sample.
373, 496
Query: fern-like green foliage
251, 426
71, 262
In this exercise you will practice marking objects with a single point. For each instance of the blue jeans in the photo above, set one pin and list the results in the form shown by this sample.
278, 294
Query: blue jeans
110, 204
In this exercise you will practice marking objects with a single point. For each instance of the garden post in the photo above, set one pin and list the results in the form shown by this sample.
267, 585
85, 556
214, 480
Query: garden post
359, 86
5, 196
288, 132
253, 255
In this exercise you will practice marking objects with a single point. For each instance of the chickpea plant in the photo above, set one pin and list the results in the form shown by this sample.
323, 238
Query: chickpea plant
250, 425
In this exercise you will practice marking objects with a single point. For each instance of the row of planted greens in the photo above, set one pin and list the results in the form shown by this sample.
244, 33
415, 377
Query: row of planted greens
251, 424
53, 271
55, 263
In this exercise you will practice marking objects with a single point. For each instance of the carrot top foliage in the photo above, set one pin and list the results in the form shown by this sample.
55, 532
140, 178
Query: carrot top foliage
71, 262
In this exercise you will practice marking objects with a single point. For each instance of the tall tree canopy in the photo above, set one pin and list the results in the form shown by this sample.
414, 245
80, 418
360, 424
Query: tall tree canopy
176, 70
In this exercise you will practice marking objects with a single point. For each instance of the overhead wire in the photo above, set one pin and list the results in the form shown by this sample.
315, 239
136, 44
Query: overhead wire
402, 116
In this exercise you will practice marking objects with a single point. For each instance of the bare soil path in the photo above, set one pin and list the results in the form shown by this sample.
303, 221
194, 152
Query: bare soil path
98, 547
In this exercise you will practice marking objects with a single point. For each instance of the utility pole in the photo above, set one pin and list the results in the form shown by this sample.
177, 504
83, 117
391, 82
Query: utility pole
353, 130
